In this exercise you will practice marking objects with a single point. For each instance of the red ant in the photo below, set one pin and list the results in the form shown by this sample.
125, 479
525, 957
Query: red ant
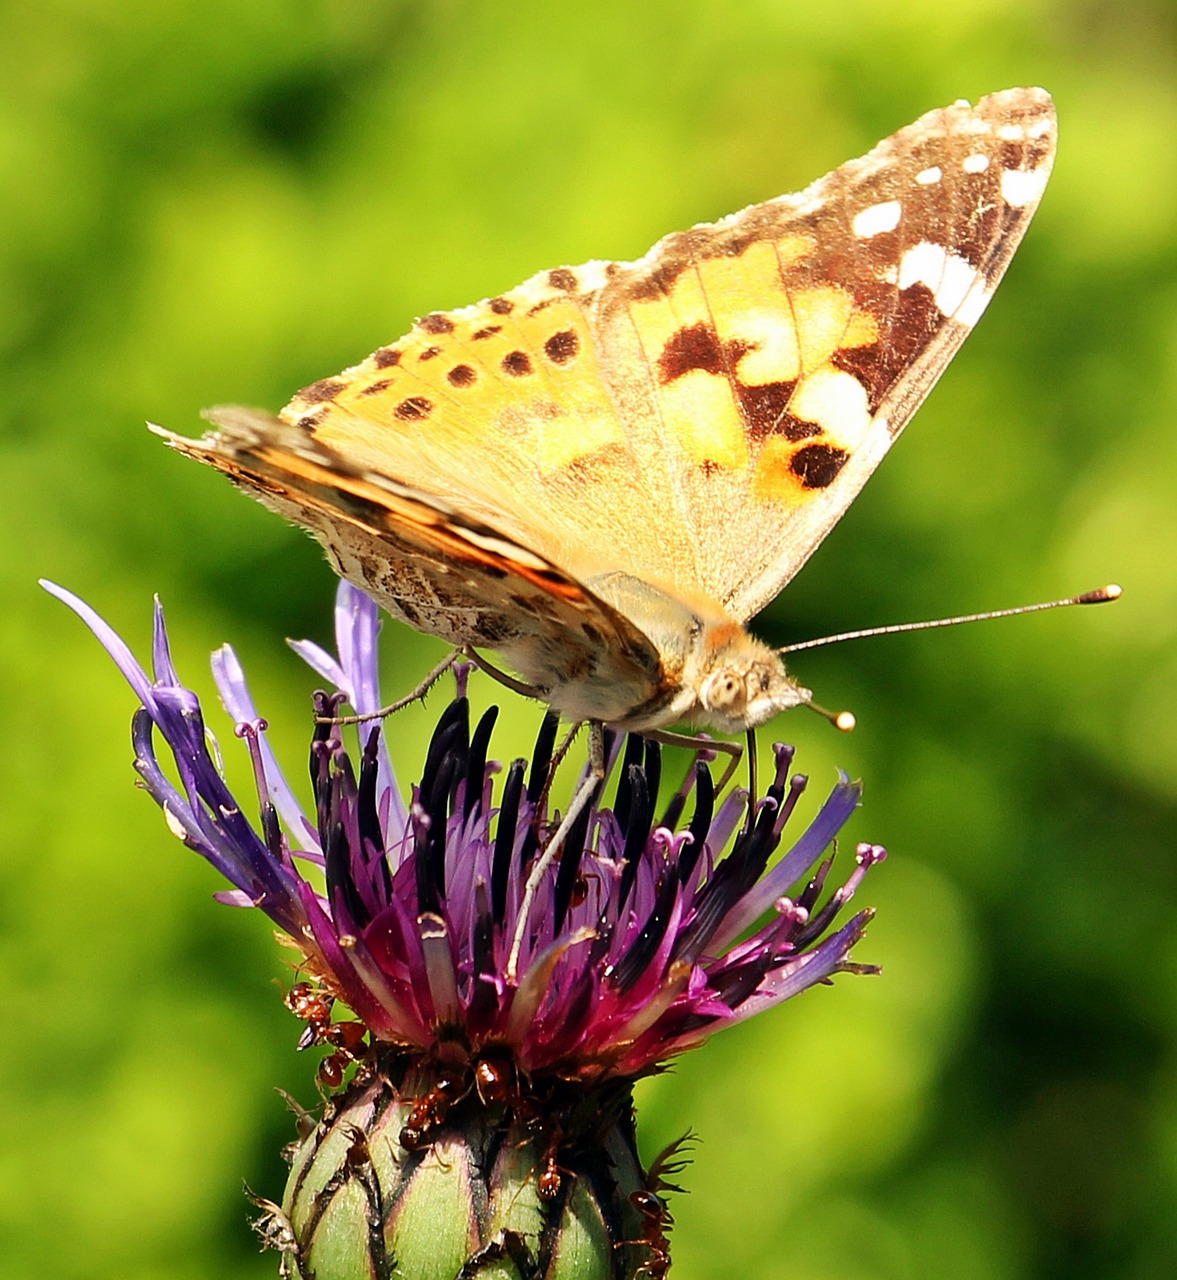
429, 1114
494, 1079
551, 1176
313, 1005
656, 1222
656, 1218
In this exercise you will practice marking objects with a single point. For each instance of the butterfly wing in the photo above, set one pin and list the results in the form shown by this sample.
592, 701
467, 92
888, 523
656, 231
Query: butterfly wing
784, 349
700, 418
438, 569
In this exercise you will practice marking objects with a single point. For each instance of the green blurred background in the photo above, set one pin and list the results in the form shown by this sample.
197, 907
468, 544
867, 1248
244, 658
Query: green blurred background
225, 201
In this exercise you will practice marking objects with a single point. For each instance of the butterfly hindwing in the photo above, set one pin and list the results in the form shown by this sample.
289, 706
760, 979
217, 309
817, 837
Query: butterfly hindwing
433, 567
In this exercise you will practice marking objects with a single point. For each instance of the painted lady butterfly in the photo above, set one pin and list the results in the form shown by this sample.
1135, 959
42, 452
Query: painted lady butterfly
604, 473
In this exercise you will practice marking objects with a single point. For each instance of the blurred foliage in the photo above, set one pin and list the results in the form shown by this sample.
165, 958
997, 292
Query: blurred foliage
225, 201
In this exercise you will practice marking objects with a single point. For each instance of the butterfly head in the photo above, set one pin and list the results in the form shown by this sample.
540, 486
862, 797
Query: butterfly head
739, 682
714, 673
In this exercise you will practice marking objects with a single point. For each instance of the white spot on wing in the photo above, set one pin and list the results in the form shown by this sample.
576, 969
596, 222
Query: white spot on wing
593, 275
926, 177
876, 220
923, 263
837, 401
975, 164
974, 304
1020, 187
1010, 132
948, 277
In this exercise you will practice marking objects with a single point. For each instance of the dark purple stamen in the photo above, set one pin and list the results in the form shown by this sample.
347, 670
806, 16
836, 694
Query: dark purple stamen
568, 875
637, 828
700, 822
504, 845
631, 760
476, 763
642, 949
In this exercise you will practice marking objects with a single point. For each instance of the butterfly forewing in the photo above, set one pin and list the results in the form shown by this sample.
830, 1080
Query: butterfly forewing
783, 349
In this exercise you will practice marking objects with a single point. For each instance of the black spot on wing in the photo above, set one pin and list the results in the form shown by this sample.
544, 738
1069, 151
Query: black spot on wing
766, 411
562, 347
436, 323
375, 388
318, 392
817, 465
517, 364
693, 347
413, 409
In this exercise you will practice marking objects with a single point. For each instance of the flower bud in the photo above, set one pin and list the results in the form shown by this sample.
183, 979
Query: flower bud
411, 1172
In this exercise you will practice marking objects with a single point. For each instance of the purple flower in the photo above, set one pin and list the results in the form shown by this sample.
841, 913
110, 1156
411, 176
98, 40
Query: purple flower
644, 939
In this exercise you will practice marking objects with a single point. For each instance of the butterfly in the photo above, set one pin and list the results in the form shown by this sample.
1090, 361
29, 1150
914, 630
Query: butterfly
604, 473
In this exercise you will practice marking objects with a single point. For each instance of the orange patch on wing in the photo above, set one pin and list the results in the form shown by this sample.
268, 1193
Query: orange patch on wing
523, 365
773, 479
861, 331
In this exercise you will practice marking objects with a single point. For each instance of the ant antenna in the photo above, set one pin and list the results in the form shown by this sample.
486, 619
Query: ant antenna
1100, 596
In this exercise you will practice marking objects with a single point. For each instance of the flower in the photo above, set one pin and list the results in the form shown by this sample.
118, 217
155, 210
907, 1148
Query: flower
526, 1002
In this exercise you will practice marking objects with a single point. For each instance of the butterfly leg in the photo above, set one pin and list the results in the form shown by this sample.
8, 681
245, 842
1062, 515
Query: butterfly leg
703, 745
554, 764
584, 794
417, 695
496, 673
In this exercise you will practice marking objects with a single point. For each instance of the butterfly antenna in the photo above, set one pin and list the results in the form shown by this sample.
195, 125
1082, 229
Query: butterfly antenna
1100, 596
843, 720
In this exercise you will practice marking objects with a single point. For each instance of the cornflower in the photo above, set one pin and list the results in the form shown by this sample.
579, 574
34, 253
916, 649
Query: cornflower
486, 1124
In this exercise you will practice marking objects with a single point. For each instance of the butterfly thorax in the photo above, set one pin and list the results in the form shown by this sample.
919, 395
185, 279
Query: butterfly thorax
715, 674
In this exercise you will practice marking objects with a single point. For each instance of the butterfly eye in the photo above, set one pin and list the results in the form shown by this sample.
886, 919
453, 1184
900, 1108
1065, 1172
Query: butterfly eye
725, 691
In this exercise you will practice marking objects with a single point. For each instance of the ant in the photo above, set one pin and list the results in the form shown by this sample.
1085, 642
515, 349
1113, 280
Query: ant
656, 1222
495, 1080
429, 1114
492, 1077
313, 1005
656, 1218
551, 1176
